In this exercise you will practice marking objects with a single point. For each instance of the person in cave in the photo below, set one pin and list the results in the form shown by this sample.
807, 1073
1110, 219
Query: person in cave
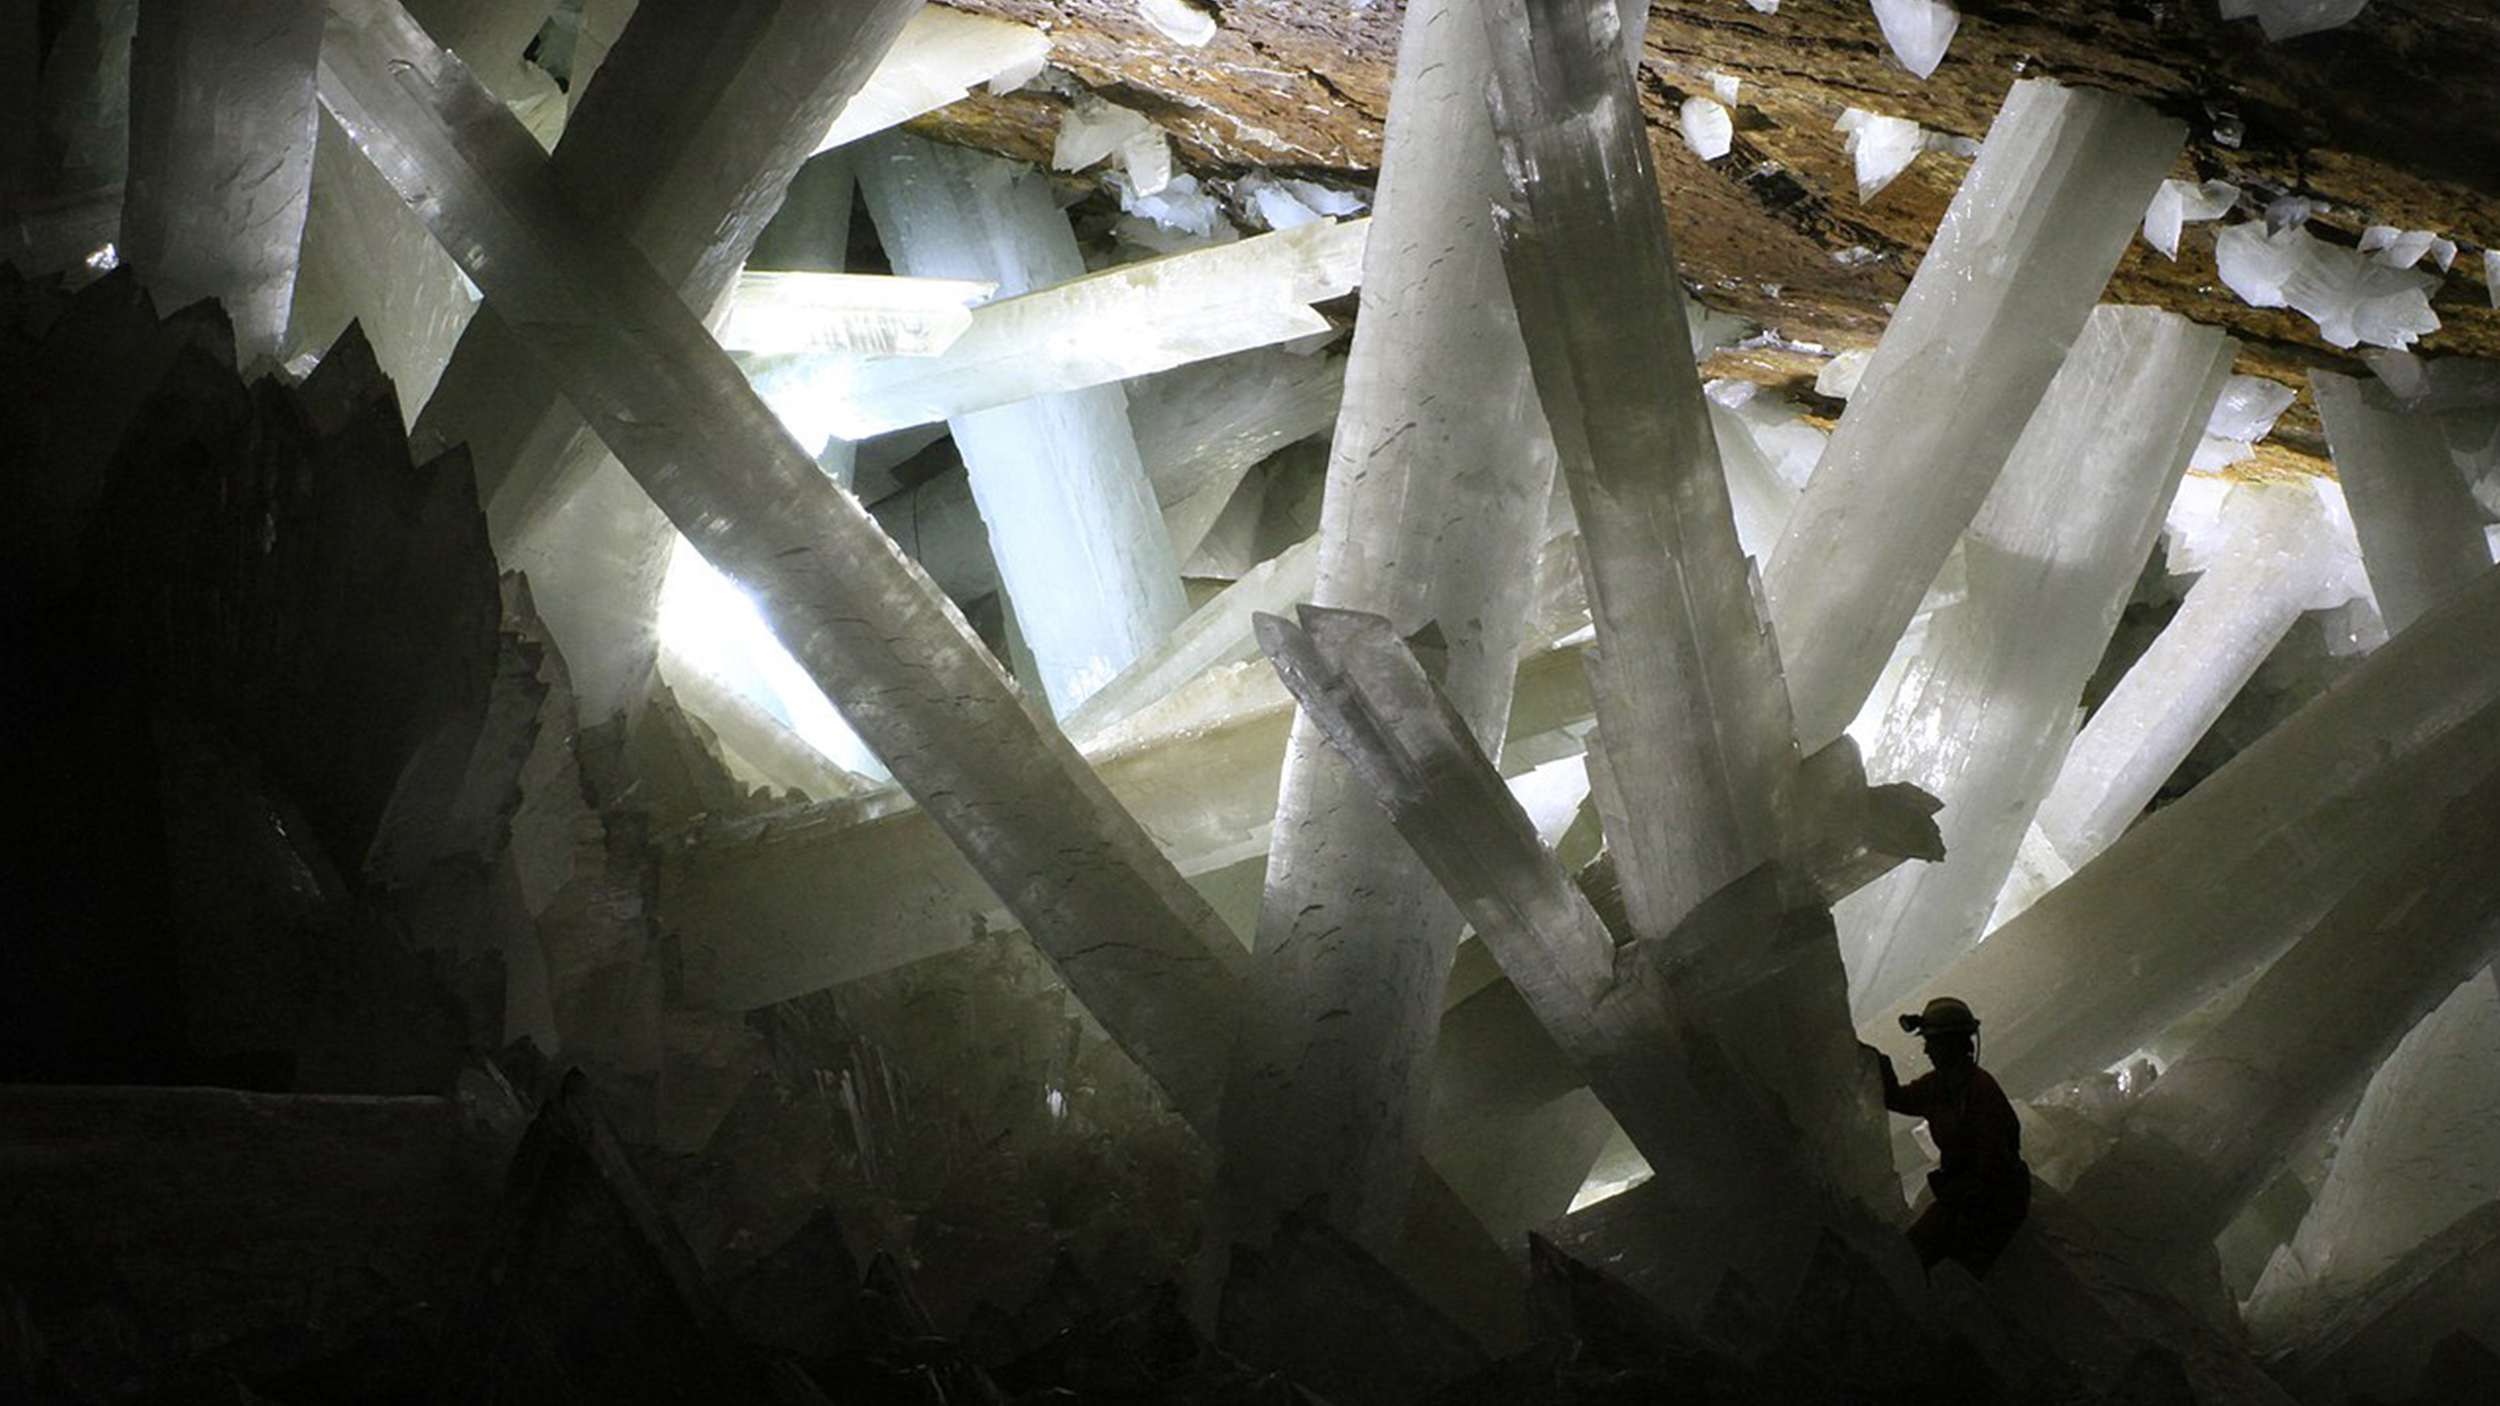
1981, 1187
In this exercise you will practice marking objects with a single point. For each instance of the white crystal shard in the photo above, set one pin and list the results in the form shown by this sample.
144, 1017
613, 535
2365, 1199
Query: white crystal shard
2403, 248
1880, 147
2289, 19
1142, 951
2420, 530
1727, 88
1091, 130
2245, 414
2421, 1150
1985, 712
2177, 203
2271, 1074
2212, 886
1281, 202
1201, 428
1707, 127
2014, 270
2352, 299
1177, 218
940, 55
1437, 482
2491, 275
1839, 377
1768, 7
1917, 31
1096, 329
866, 314
1072, 518
1181, 21
222, 124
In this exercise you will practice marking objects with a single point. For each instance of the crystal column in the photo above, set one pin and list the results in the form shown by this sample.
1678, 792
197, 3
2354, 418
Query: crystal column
2421, 530
221, 154
1072, 519
2014, 269
1987, 707
1437, 482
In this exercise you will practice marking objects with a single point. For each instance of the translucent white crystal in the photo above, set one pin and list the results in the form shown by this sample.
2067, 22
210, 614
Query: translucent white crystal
865, 313
1768, 7
2178, 202
2422, 1149
222, 123
1089, 883
940, 55
2352, 298
1128, 320
714, 626
2491, 275
1281, 202
1072, 518
2403, 248
1838, 377
1917, 31
2209, 888
1092, 130
1726, 87
1180, 21
1880, 147
2016, 266
2420, 531
1707, 127
1983, 717
1437, 483
2244, 415
2288, 19
1182, 208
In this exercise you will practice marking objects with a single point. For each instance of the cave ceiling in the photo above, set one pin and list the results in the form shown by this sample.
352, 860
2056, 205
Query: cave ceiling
2389, 120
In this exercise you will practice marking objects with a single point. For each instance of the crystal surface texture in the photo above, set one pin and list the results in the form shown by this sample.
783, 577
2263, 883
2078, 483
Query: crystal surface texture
2293, 1055
222, 120
685, 145
2420, 529
2016, 265
1437, 481
2276, 551
2211, 887
1133, 942
1072, 518
2421, 1150
1984, 713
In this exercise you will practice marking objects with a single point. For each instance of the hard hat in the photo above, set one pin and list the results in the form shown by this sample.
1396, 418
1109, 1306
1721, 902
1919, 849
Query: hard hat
1944, 1015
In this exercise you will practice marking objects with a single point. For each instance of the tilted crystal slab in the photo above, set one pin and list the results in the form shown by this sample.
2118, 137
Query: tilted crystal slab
862, 313
2421, 1150
1202, 427
2016, 266
1130, 320
1438, 477
1072, 518
222, 121
2421, 531
1688, 691
697, 122
810, 897
2277, 552
2293, 1055
2213, 886
1215, 634
1716, 1119
940, 55
1132, 941
1984, 715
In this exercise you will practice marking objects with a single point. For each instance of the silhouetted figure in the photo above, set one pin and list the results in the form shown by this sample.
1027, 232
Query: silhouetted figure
1982, 1188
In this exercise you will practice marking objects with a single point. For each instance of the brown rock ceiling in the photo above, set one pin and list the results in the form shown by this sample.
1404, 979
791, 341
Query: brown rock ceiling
2394, 119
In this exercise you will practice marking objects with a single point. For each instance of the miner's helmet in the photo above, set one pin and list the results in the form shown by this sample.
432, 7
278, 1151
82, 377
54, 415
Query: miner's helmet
1943, 1016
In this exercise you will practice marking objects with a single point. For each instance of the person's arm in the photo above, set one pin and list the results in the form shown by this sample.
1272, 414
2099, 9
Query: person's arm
1910, 1098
